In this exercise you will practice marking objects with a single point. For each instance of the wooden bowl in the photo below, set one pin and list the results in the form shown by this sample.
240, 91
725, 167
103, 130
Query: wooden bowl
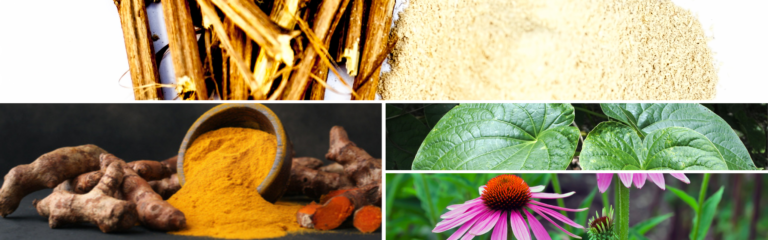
246, 115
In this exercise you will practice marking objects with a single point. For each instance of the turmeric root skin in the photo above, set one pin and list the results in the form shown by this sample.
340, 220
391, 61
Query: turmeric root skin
48, 171
150, 170
85, 182
166, 187
97, 206
308, 162
315, 183
152, 210
358, 164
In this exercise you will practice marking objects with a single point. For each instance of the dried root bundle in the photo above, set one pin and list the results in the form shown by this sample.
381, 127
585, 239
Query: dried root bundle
246, 53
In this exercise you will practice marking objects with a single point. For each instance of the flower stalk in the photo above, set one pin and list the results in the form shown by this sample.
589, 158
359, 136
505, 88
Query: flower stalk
622, 209
702, 197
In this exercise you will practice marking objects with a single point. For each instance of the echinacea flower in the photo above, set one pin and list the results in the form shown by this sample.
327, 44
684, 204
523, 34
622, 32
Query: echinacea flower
601, 228
604, 179
505, 196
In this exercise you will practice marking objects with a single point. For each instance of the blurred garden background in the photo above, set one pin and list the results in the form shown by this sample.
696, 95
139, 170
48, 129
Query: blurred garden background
416, 201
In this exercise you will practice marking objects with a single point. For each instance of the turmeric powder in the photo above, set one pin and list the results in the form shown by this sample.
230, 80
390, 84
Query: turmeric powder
222, 170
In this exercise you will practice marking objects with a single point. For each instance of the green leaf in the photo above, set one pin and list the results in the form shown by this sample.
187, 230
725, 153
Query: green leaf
425, 195
685, 197
501, 137
404, 135
645, 226
615, 146
636, 235
708, 211
392, 186
581, 217
646, 118
434, 112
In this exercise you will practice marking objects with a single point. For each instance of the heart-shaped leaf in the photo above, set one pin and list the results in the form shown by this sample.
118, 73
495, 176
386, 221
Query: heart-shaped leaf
404, 135
648, 117
501, 136
616, 146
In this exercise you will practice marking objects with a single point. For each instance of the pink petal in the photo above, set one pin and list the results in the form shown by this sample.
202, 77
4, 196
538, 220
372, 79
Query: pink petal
463, 229
658, 179
500, 232
452, 207
538, 230
448, 224
639, 179
486, 224
461, 209
604, 181
556, 207
519, 228
555, 215
681, 177
551, 195
536, 189
553, 223
626, 178
481, 189
468, 237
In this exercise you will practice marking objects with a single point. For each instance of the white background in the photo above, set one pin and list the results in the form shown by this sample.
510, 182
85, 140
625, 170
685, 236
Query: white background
64, 51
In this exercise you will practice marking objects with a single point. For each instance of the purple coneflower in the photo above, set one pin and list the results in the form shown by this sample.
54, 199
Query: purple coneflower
604, 179
505, 196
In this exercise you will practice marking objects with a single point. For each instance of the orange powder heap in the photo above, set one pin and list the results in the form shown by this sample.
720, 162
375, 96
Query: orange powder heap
222, 170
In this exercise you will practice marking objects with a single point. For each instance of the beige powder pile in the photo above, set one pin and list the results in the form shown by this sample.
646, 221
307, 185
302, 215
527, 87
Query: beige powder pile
549, 49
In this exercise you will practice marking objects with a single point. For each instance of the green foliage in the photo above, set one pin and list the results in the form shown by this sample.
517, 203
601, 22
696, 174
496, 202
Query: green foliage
646, 118
501, 136
616, 146
704, 218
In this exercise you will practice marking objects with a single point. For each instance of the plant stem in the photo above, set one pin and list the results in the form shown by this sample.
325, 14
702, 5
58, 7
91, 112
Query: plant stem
590, 112
622, 210
702, 197
560, 201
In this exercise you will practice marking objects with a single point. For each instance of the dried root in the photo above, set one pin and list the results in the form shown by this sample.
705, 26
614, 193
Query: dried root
97, 206
48, 171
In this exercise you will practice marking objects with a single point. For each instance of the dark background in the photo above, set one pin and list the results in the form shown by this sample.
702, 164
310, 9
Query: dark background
155, 132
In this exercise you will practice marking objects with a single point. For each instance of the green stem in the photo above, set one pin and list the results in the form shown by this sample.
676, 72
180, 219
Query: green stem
605, 199
702, 197
590, 112
560, 201
622, 210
